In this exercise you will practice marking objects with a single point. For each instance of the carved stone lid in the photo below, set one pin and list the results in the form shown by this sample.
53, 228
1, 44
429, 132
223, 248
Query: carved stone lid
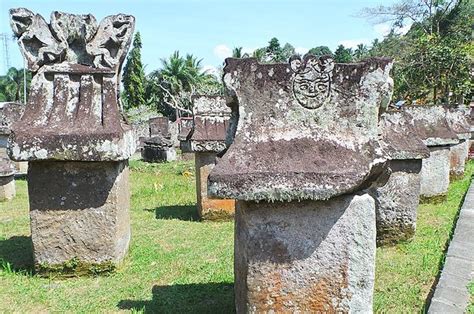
304, 130
459, 121
211, 119
72, 111
431, 125
399, 138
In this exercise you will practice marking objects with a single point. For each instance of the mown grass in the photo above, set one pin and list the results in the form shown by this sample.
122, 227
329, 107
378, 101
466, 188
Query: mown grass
179, 264
470, 308
406, 273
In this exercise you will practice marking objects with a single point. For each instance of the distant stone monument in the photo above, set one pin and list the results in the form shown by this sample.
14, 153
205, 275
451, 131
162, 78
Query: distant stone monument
159, 147
10, 112
432, 127
75, 140
304, 151
7, 180
207, 140
397, 194
458, 121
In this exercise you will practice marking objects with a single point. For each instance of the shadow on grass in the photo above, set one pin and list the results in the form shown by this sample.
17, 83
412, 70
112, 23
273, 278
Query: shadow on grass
16, 254
181, 212
189, 298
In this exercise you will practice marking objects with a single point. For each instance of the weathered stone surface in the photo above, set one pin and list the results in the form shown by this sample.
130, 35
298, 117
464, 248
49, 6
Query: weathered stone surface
69, 220
397, 194
75, 139
458, 157
459, 121
432, 127
159, 126
211, 120
206, 139
10, 112
435, 173
311, 256
72, 111
396, 201
304, 141
297, 152
208, 208
7, 180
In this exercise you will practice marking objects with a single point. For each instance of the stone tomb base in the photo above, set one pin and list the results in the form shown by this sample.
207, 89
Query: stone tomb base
397, 201
79, 215
435, 174
210, 209
7, 188
309, 256
155, 154
458, 156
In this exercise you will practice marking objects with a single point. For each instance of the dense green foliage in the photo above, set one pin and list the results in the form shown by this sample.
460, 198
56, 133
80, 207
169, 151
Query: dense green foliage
172, 86
133, 78
12, 85
434, 58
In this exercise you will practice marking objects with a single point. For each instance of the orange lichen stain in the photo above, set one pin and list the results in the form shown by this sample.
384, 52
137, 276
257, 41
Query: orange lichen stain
216, 209
322, 296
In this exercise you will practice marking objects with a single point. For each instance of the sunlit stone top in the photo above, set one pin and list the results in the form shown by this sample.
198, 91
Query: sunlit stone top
72, 111
307, 129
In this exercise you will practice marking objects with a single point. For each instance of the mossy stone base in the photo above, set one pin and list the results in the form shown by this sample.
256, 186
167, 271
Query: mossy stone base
74, 268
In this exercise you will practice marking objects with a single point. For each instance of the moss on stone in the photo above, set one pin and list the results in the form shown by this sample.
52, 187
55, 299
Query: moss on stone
74, 268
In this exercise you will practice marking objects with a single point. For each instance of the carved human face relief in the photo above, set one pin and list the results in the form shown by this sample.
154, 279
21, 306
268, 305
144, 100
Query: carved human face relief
312, 79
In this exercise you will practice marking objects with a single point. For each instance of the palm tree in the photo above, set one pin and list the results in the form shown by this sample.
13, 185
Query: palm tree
361, 52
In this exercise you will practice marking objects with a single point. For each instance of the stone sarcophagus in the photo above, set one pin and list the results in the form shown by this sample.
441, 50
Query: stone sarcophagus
458, 121
206, 141
10, 112
304, 151
159, 146
74, 138
398, 191
432, 127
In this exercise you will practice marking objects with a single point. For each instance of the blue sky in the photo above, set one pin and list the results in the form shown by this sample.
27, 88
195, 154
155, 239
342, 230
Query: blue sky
209, 29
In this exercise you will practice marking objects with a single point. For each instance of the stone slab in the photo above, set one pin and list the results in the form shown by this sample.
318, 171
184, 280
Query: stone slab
310, 256
209, 208
79, 211
435, 172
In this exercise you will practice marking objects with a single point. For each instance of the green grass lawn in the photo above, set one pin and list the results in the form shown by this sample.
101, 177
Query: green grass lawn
178, 264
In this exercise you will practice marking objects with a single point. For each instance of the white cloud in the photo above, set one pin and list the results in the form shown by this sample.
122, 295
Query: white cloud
383, 29
210, 69
352, 43
222, 51
301, 50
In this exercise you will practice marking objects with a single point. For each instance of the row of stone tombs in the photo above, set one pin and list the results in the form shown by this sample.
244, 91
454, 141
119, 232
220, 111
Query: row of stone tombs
315, 162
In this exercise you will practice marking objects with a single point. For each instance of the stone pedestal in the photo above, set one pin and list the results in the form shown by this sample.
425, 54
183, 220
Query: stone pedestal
458, 157
303, 153
153, 153
397, 202
208, 208
308, 257
79, 215
435, 174
397, 192
432, 126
